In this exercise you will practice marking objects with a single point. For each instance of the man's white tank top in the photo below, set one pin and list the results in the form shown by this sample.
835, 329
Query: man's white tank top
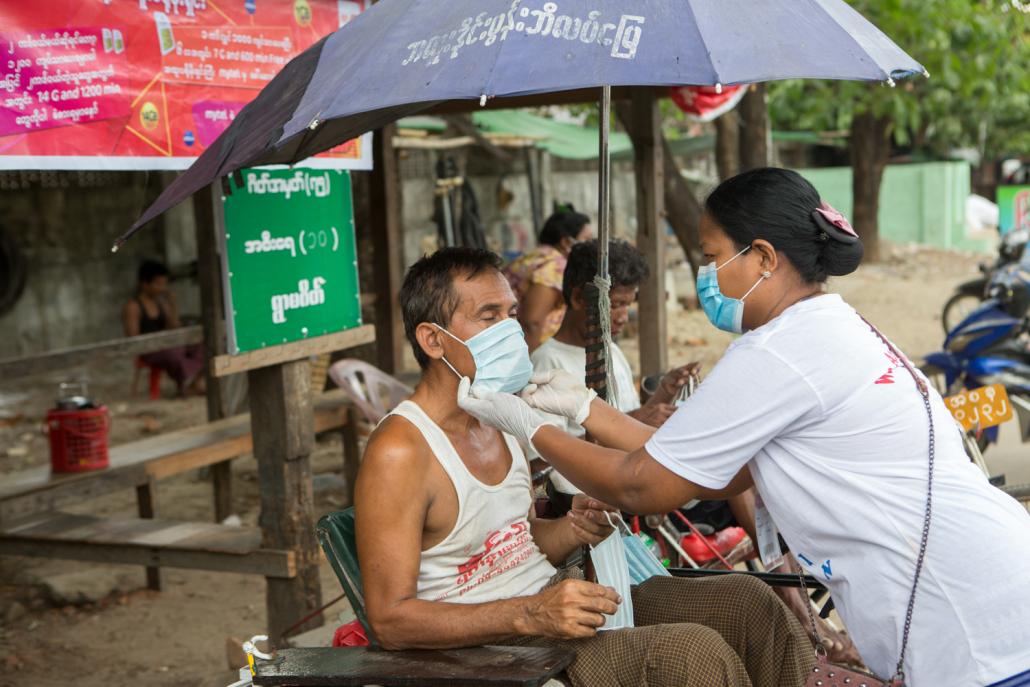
490, 554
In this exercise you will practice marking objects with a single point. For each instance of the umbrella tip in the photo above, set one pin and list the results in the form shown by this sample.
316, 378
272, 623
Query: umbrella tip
115, 246
718, 88
482, 100
890, 82
926, 73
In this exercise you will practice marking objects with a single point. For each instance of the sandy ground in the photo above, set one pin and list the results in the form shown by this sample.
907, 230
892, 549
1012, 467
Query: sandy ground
177, 637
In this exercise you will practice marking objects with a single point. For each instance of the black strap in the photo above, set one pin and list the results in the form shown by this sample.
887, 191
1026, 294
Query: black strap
924, 391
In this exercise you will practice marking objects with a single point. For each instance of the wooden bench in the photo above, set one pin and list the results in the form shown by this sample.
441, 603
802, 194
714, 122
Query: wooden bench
495, 666
152, 543
29, 501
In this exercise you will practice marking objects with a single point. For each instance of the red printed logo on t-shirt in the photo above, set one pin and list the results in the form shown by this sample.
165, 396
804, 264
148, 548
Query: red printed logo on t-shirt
888, 376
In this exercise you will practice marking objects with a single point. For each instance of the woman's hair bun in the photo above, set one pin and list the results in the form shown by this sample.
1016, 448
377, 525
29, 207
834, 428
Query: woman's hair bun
839, 258
842, 251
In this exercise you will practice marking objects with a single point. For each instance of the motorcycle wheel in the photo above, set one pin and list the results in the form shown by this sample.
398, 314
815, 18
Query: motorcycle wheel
958, 308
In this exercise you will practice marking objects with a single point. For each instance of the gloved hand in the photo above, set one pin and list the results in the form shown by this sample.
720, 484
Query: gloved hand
506, 412
559, 393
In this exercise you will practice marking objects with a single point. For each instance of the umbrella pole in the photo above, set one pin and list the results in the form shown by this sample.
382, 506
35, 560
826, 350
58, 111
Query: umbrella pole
597, 373
604, 194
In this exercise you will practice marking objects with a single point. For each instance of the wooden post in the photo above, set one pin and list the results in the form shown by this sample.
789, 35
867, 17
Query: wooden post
755, 134
210, 273
283, 426
351, 451
388, 247
646, 133
727, 145
146, 502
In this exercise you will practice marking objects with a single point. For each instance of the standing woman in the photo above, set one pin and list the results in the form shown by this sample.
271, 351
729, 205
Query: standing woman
843, 439
536, 277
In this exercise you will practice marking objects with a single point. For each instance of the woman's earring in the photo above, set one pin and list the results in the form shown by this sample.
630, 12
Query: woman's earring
766, 274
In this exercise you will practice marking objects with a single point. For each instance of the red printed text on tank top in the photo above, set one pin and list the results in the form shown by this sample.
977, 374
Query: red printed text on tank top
502, 551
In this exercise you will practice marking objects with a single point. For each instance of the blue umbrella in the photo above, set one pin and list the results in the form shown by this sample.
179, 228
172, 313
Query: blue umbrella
401, 57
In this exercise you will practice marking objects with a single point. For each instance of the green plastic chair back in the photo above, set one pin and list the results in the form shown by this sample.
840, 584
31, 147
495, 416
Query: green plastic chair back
337, 535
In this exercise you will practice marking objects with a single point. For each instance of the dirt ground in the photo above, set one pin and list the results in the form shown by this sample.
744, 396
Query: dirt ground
128, 636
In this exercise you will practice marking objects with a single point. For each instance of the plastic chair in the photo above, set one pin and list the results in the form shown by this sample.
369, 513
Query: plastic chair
155, 378
371, 390
337, 535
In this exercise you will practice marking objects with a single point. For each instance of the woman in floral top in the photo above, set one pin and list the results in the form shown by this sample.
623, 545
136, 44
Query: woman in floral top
536, 277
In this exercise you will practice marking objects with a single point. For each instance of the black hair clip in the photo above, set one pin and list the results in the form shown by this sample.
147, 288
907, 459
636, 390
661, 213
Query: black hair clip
828, 230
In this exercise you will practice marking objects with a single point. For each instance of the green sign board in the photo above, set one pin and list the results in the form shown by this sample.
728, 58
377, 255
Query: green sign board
291, 271
1013, 208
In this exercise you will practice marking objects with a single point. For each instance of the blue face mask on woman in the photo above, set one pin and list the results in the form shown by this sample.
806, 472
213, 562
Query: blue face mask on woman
725, 313
501, 357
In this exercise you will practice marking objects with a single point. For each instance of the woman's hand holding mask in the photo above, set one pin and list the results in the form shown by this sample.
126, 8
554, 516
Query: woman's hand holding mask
559, 393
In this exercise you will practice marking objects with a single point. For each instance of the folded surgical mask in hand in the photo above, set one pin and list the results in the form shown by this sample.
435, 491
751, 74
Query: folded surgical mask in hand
612, 570
643, 564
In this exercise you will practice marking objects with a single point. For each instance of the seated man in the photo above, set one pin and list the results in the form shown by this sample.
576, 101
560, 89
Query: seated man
452, 555
567, 351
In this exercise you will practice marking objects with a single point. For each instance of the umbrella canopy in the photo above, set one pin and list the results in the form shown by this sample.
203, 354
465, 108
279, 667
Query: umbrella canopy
401, 57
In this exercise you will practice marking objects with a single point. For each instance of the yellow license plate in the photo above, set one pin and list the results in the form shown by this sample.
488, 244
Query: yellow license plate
981, 408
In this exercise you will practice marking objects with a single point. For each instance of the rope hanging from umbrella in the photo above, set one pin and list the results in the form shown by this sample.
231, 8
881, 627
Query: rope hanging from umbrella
598, 373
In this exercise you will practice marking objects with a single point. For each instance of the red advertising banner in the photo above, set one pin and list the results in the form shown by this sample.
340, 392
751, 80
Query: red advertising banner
147, 84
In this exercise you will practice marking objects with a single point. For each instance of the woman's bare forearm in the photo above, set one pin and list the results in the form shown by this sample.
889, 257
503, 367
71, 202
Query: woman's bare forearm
614, 429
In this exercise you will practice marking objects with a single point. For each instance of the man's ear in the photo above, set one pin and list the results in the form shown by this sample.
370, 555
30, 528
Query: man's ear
767, 255
429, 338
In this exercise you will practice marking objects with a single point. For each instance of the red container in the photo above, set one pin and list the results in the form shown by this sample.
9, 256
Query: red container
78, 439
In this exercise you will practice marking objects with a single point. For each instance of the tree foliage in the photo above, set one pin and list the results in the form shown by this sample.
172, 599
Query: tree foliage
977, 53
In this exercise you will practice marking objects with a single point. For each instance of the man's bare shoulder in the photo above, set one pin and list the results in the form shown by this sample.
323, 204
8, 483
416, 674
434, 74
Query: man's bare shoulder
396, 445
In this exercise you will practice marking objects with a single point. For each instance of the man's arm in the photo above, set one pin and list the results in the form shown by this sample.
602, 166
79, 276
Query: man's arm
584, 525
172, 310
391, 502
653, 414
673, 382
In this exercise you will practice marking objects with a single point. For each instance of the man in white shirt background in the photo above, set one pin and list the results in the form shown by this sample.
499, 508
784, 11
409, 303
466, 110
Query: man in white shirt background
566, 350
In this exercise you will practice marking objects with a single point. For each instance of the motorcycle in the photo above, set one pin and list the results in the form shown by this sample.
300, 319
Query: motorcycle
991, 346
970, 294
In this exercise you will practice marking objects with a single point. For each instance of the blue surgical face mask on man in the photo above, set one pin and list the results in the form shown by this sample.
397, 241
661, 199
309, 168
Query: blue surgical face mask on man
501, 357
725, 313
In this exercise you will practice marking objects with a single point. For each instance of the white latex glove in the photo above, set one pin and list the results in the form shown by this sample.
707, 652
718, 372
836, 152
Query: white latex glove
559, 393
506, 412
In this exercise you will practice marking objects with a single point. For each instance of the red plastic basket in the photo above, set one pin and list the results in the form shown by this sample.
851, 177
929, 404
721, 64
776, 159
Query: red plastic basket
78, 439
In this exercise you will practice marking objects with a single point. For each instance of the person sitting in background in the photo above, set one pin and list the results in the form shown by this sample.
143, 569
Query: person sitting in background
567, 351
153, 309
452, 554
536, 277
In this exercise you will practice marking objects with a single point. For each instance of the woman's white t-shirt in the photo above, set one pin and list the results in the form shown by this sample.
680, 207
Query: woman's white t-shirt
835, 434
